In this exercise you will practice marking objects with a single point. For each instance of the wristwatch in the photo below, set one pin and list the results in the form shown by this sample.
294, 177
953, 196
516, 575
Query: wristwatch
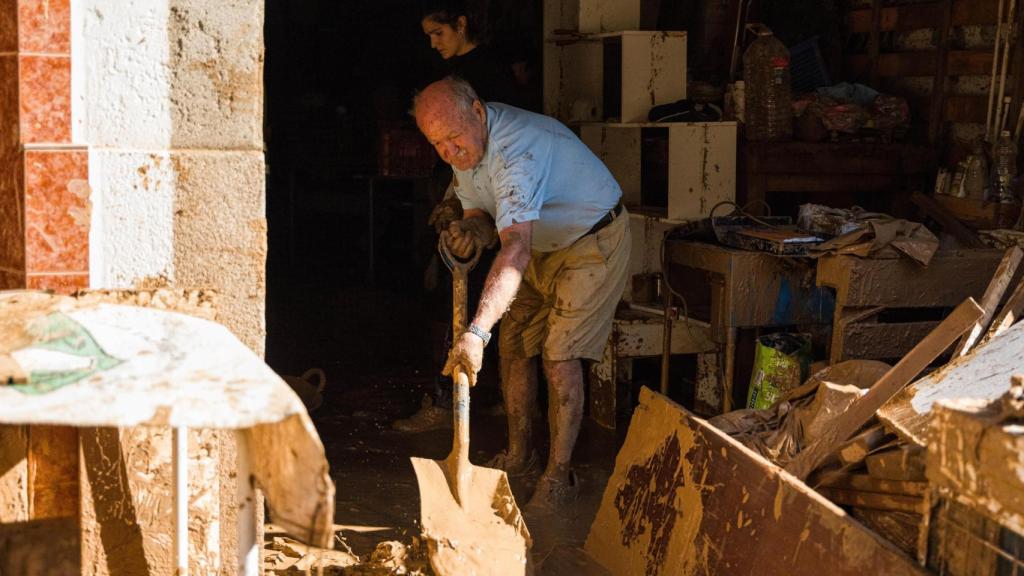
479, 333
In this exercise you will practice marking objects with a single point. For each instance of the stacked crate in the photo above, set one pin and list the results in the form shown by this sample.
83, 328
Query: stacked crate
602, 75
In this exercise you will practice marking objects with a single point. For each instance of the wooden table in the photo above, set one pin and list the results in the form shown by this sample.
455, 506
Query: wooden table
733, 289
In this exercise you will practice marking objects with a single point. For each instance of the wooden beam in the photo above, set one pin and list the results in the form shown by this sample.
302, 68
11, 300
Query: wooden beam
964, 235
894, 380
990, 301
1010, 313
874, 41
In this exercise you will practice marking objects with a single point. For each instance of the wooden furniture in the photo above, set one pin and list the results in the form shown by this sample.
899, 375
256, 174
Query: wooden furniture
767, 167
637, 335
870, 292
733, 289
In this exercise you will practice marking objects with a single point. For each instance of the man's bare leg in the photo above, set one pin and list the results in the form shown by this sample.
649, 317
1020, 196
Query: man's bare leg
565, 412
519, 389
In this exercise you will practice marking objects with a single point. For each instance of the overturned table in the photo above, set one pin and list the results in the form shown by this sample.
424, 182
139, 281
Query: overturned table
111, 421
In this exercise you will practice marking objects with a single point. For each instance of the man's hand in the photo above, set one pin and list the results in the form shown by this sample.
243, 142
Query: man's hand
464, 236
468, 355
447, 211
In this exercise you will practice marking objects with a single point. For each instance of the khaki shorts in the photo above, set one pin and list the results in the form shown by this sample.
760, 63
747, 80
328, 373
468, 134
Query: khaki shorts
566, 302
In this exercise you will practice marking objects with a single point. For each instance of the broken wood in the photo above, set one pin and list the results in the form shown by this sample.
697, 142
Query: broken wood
686, 499
894, 380
990, 301
982, 374
905, 463
950, 223
1009, 314
858, 447
974, 458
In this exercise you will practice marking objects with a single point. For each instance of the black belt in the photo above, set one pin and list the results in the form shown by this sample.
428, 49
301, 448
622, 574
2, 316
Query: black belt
605, 220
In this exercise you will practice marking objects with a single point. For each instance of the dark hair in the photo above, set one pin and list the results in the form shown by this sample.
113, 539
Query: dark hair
449, 11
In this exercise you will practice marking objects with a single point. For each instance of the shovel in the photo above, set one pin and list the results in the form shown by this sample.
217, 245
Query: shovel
470, 519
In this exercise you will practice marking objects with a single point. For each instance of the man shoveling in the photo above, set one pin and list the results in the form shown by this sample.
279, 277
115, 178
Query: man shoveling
558, 275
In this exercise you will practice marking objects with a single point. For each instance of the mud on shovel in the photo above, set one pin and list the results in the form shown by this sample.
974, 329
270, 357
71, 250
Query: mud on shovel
470, 519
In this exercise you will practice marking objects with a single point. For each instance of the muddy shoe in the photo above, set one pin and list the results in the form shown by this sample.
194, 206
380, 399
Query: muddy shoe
553, 494
429, 417
515, 469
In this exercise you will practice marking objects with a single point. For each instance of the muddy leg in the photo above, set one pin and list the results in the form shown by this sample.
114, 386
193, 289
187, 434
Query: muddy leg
565, 412
519, 389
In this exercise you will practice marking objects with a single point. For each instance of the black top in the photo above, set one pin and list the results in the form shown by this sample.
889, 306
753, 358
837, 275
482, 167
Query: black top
486, 73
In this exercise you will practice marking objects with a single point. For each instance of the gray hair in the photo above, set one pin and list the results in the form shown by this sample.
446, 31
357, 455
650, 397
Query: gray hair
462, 92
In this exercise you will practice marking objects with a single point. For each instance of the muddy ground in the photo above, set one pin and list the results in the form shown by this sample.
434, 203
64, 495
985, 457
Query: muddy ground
375, 344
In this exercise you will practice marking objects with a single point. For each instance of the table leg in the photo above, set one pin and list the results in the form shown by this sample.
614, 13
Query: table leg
370, 193
730, 369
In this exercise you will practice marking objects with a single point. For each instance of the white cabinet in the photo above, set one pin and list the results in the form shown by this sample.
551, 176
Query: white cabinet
700, 164
613, 76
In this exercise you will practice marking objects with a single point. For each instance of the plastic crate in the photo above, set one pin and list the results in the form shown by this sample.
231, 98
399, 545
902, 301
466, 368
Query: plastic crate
402, 151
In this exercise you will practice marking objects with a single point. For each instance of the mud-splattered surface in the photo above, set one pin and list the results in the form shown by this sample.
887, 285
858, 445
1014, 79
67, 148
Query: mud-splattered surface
375, 347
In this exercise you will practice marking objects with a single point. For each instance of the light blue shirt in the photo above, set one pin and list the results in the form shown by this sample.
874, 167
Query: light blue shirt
535, 169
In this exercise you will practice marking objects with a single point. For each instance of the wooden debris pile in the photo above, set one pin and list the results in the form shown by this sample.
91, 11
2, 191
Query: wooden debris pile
930, 463
283, 556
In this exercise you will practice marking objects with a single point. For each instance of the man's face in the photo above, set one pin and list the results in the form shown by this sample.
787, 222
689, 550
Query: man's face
459, 138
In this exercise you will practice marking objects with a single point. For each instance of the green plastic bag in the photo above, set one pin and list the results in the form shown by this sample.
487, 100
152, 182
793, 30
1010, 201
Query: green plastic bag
781, 362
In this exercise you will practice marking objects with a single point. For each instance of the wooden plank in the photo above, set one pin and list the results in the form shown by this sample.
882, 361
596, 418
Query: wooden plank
857, 449
873, 500
983, 374
990, 301
686, 499
917, 16
892, 382
866, 483
879, 341
904, 463
1010, 313
14, 500
901, 283
964, 235
874, 41
922, 63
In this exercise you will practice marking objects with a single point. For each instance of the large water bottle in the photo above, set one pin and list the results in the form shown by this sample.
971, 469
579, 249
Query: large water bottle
769, 111
1005, 167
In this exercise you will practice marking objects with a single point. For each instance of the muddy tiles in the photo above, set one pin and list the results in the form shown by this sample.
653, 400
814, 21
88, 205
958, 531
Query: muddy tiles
45, 92
56, 211
44, 26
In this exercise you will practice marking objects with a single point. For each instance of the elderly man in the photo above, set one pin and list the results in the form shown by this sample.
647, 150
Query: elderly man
558, 274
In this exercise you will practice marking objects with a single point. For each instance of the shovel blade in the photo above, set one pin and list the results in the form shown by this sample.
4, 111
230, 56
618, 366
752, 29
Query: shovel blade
484, 535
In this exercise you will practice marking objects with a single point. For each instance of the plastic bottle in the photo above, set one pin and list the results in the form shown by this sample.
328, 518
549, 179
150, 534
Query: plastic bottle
769, 111
1005, 167
977, 171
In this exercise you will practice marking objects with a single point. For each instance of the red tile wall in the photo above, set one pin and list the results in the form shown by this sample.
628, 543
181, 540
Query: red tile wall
44, 192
